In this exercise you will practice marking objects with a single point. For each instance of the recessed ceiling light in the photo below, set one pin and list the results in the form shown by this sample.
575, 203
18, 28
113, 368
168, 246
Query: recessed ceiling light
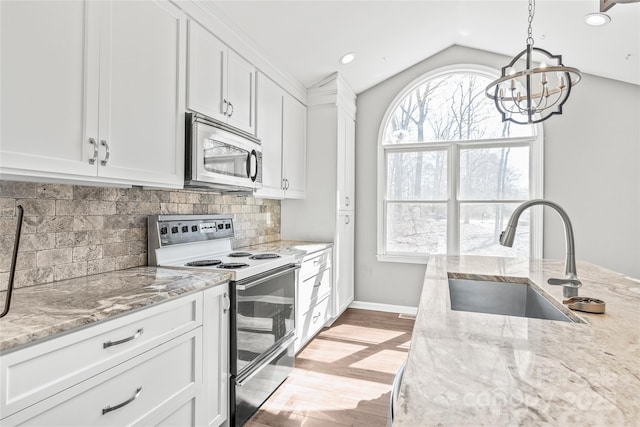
597, 19
347, 58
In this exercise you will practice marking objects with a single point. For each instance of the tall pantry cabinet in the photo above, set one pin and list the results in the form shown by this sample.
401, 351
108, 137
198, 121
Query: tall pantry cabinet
327, 213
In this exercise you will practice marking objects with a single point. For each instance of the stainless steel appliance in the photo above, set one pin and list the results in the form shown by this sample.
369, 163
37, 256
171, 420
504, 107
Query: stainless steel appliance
220, 157
262, 294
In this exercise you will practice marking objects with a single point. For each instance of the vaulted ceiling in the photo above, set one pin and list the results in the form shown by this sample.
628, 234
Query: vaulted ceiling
307, 38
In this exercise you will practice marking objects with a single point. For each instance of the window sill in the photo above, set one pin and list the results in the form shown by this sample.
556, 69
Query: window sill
403, 258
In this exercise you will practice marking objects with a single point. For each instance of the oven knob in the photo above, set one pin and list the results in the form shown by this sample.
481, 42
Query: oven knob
194, 228
220, 226
185, 229
174, 229
163, 230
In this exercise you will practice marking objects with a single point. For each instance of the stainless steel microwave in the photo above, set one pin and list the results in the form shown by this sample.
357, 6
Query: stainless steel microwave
221, 158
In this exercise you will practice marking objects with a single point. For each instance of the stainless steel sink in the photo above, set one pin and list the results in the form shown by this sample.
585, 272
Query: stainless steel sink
506, 298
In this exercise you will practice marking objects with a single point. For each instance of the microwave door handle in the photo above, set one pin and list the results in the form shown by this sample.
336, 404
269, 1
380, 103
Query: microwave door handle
249, 168
252, 166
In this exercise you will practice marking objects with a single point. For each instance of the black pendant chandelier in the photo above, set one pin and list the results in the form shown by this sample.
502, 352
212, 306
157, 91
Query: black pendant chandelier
534, 85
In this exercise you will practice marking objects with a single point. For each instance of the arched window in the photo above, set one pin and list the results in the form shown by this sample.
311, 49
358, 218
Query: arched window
450, 172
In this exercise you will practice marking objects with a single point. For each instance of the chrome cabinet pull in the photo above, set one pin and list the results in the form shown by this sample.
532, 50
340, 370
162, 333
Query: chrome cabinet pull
105, 144
347, 201
231, 113
227, 303
124, 340
125, 403
316, 317
92, 160
347, 219
226, 107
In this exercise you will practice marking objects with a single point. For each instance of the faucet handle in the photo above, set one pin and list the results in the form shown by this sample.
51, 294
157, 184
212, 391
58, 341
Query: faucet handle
571, 283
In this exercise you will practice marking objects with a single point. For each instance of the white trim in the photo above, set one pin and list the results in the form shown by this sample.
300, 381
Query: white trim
389, 308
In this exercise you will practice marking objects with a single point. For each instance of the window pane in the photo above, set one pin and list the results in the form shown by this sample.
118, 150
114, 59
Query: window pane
494, 173
418, 175
449, 108
417, 227
479, 230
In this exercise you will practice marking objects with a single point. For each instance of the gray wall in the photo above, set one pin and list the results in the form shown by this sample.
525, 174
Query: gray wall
592, 162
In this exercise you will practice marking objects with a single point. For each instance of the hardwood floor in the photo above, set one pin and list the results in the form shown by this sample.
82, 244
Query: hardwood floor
343, 376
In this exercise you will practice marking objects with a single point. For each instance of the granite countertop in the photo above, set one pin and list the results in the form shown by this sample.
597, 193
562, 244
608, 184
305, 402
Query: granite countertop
475, 369
288, 247
42, 311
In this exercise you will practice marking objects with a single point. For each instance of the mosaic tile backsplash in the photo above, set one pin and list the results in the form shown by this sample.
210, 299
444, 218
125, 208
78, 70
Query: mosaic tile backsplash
72, 231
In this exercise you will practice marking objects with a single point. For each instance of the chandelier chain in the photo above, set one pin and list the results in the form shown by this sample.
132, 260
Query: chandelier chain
532, 11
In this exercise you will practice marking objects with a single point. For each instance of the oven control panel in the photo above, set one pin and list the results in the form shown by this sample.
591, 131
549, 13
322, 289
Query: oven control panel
173, 231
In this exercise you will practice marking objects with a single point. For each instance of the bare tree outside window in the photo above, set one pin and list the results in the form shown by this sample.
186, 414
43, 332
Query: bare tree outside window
443, 121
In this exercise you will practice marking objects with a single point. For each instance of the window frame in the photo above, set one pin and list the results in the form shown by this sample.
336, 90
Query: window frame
453, 148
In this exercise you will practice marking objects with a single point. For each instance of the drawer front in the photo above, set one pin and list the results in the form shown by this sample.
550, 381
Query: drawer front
34, 373
315, 262
127, 394
313, 320
313, 288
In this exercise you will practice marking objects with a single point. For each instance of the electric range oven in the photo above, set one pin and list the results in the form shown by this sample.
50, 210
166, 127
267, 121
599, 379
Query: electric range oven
262, 293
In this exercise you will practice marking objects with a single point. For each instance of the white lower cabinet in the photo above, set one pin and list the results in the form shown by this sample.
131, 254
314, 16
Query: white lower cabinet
164, 365
215, 329
313, 295
127, 394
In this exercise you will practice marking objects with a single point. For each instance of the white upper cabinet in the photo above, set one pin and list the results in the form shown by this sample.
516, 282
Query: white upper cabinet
294, 130
346, 161
91, 91
220, 83
281, 128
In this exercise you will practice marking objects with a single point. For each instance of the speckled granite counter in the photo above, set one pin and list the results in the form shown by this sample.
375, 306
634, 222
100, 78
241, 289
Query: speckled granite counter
483, 369
39, 312
295, 247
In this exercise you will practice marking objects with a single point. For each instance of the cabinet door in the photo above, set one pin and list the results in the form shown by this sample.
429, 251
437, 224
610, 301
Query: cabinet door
141, 113
344, 259
345, 161
241, 90
215, 328
206, 71
269, 131
294, 145
45, 86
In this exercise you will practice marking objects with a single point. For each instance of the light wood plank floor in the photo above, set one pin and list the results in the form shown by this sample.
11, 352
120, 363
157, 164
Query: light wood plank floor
343, 376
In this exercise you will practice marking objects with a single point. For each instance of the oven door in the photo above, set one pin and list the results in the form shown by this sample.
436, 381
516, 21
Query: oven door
263, 316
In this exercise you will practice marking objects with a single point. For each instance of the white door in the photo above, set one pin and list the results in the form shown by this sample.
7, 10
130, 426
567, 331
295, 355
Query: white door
269, 131
141, 110
206, 73
344, 260
241, 89
43, 88
215, 329
294, 143
346, 161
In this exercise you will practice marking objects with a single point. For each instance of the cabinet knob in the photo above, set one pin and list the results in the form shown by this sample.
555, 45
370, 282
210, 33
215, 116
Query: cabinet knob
105, 144
92, 160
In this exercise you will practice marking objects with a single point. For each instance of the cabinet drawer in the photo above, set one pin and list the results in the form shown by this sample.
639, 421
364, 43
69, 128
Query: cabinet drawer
34, 373
126, 394
315, 262
314, 288
314, 319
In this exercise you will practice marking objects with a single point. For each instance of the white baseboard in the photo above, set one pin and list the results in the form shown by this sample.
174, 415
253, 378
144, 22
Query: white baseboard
401, 309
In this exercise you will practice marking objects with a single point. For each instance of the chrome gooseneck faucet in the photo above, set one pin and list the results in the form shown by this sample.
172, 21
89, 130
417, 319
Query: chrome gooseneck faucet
570, 282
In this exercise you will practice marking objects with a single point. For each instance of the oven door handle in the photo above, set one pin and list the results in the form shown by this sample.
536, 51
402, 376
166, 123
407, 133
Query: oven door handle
252, 283
274, 354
